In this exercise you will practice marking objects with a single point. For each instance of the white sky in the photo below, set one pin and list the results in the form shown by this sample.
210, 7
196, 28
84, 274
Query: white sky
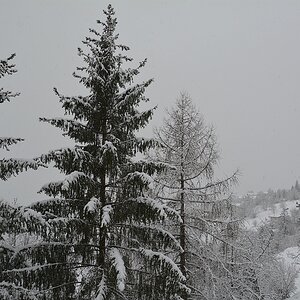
239, 61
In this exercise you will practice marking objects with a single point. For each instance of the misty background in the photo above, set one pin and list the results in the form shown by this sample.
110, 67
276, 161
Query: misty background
238, 60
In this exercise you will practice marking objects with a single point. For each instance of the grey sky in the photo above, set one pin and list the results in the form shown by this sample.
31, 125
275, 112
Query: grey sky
239, 61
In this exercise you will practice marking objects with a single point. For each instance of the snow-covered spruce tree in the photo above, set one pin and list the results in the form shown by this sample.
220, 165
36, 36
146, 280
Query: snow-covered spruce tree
190, 147
18, 227
103, 240
10, 167
14, 220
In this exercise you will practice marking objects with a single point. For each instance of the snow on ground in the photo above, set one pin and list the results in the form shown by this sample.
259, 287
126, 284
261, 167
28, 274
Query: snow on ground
291, 257
263, 216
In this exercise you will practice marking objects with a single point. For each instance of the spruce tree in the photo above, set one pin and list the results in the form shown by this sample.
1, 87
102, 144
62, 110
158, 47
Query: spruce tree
14, 220
104, 237
11, 166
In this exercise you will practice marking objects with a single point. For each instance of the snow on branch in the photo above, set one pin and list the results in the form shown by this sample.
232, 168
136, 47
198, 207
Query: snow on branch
72, 180
68, 159
149, 167
138, 120
141, 178
152, 235
164, 235
106, 215
132, 96
31, 268
72, 128
20, 219
109, 146
54, 206
79, 106
151, 209
163, 262
109, 153
159, 207
37, 246
118, 263
69, 179
29, 214
12, 166
91, 206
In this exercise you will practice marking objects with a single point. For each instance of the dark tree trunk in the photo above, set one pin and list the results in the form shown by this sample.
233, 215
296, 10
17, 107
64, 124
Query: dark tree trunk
103, 230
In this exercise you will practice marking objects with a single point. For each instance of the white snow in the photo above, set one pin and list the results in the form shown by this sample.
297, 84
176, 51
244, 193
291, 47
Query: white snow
164, 260
291, 257
163, 209
109, 146
65, 183
154, 204
264, 216
145, 178
118, 263
91, 205
107, 209
60, 153
74, 176
28, 214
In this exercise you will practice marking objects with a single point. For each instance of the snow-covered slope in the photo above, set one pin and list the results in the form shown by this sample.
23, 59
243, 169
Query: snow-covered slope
290, 256
263, 216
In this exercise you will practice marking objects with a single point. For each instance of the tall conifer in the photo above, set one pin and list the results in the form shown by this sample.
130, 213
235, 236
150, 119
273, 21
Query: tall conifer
102, 240
14, 220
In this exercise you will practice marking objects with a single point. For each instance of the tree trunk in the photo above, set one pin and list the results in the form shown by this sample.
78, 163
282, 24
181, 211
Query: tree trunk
103, 230
182, 214
182, 229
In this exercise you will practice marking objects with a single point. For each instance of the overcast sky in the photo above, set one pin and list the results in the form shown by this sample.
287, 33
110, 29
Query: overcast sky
239, 61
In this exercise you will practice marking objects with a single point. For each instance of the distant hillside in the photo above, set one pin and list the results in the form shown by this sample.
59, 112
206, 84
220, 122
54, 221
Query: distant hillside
272, 214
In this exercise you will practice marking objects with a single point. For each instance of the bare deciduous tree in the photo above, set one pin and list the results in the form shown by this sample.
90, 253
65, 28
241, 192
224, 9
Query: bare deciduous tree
189, 146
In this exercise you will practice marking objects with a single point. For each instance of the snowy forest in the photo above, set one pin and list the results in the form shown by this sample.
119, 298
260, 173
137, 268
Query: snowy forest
139, 217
